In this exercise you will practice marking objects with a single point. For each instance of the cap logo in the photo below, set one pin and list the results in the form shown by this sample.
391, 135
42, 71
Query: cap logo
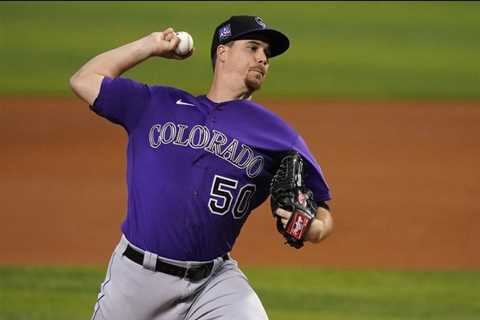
260, 22
224, 32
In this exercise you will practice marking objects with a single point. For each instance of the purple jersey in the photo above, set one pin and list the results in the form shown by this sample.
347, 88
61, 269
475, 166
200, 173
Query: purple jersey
196, 168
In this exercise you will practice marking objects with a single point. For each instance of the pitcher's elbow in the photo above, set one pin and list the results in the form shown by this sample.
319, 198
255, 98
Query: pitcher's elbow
74, 82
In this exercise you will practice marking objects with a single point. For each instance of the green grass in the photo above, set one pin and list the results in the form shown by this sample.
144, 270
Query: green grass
361, 50
326, 294
287, 293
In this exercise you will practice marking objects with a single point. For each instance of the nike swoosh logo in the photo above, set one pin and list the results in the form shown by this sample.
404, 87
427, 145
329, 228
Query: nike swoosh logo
179, 101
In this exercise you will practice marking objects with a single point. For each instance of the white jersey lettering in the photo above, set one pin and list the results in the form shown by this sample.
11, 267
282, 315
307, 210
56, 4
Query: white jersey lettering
200, 137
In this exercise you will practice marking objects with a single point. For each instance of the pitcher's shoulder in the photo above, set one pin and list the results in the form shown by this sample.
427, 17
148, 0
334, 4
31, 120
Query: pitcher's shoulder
268, 116
162, 89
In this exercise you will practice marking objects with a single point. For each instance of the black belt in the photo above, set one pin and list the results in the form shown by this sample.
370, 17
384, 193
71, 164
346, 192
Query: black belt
194, 273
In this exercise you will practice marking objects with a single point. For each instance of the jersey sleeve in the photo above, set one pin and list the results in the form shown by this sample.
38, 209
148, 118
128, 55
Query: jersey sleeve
122, 101
314, 178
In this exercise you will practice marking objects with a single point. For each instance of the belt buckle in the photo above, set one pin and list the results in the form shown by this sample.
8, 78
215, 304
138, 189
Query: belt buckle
199, 272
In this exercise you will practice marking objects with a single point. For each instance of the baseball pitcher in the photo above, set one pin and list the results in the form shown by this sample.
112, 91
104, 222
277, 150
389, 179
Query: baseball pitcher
196, 167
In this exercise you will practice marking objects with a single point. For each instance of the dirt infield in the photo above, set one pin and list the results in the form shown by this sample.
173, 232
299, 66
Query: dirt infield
405, 180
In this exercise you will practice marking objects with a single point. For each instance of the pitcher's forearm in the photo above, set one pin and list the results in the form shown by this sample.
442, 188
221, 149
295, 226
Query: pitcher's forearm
86, 82
116, 61
321, 226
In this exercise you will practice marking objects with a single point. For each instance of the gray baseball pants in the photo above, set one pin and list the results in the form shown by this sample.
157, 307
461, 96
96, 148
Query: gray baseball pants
135, 292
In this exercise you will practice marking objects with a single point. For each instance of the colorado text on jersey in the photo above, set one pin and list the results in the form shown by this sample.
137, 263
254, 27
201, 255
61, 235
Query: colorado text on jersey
200, 137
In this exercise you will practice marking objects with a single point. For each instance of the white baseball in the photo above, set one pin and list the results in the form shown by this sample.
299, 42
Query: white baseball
186, 43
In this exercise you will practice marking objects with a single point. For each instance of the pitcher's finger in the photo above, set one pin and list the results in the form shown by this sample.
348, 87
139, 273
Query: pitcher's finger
283, 213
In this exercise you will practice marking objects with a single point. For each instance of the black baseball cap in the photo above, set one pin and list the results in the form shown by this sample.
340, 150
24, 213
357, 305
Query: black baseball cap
249, 27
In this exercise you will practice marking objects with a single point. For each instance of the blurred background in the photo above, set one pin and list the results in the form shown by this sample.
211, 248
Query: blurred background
386, 95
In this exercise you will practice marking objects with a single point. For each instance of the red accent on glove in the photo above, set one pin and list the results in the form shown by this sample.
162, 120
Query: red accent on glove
298, 224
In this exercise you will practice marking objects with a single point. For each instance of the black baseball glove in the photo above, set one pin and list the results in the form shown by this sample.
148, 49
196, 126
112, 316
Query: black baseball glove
289, 192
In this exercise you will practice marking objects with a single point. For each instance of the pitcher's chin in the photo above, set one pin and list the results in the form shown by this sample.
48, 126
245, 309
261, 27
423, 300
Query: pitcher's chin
253, 83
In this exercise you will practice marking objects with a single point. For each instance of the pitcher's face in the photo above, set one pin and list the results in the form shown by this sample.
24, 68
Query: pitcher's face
248, 59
